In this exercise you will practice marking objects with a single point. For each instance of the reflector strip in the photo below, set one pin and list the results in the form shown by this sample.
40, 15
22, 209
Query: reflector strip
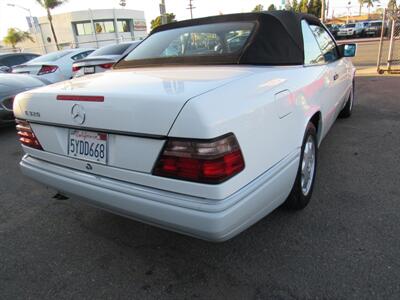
80, 98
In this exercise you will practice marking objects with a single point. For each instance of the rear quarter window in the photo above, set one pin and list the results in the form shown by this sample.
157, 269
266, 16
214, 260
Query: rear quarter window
81, 55
312, 51
326, 43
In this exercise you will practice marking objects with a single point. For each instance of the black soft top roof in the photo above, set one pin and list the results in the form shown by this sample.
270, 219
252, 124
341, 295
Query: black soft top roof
277, 40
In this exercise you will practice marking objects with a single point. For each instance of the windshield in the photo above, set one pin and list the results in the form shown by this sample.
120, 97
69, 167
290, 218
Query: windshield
375, 24
51, 56
350, 26
112, 50
210, 43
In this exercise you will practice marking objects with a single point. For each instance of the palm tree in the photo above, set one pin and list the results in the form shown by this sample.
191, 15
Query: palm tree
361, 2
48, 5
392, 5
303, 6
370, 3
15, 36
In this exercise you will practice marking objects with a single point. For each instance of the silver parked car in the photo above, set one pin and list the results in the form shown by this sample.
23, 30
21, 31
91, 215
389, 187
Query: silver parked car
102, 59
10, 86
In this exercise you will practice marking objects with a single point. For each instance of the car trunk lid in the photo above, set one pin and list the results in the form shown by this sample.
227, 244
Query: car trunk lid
142, 101
130, 110
32, 69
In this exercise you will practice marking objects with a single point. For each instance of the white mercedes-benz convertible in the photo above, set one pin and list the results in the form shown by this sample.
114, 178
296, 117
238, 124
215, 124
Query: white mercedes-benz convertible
205, 128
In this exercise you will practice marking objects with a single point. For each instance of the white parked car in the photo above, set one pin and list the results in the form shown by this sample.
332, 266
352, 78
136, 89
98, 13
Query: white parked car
352, 30
55, 66
204, 139
102, 59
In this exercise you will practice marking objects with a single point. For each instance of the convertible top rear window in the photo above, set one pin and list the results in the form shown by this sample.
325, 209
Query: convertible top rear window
266, 38
205, 43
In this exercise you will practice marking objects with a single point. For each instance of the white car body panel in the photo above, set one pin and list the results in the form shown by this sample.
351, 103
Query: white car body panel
130, 94
64, 64
266, 108
248, 120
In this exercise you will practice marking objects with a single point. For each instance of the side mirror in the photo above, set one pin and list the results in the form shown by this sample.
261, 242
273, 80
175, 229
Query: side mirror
348, 50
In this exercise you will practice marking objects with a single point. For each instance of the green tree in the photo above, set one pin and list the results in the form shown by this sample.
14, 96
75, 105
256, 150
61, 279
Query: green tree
303, 6
157, 21
48, 5
295, 6
258, 8
369, 3
271, 7
314, 7
15, 36
361, 3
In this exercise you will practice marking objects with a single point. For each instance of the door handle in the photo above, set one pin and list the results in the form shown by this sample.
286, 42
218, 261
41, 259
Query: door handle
336, 76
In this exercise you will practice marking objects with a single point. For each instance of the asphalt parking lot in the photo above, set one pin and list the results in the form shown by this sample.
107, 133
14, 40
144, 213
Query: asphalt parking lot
344, 245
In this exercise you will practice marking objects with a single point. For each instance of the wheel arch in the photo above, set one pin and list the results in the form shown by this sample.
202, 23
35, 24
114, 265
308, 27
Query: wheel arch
316, 120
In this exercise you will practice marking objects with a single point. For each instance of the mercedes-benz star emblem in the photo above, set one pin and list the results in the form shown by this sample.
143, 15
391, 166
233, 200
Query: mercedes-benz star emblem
78, 114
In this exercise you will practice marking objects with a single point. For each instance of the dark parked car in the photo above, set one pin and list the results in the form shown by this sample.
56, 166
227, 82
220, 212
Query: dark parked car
10, 86
102, 59
374, 28
333, 28
9, 60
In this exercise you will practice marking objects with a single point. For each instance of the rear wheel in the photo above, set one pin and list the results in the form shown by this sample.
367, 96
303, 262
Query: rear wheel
301, 192
348, 108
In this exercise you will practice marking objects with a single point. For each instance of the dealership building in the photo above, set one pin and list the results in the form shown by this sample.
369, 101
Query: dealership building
86, 29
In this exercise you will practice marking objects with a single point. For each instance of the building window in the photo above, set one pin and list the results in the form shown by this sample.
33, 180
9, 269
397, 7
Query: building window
123, 26
84, 28
104, 26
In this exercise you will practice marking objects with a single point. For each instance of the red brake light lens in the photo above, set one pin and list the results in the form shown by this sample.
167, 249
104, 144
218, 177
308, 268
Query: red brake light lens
107, 66
75, 68
46, 69
26, 135
211, 162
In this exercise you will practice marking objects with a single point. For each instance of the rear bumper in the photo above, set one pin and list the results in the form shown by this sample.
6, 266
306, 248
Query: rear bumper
214, 220
345, 33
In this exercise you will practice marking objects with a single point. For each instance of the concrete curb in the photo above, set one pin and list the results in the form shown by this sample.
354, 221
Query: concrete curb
371, 71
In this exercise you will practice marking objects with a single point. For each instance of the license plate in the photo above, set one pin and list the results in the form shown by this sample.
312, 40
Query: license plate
88, 70
87, 145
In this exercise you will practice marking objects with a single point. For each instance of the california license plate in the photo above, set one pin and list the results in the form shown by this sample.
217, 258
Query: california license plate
88, 145
88, 70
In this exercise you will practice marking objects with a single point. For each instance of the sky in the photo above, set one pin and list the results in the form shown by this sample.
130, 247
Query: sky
15, 17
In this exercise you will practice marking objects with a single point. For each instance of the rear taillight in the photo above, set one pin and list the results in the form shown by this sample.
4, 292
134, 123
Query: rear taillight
205, 161
75, 69
46, 69
107, 66
26, 135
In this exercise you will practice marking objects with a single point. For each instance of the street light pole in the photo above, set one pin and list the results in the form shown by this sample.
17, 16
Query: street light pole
163, 13
348, 11
191, 7
32, 22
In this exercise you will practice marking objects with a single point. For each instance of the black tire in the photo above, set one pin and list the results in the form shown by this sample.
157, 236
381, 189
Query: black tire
298, 199
348, 108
